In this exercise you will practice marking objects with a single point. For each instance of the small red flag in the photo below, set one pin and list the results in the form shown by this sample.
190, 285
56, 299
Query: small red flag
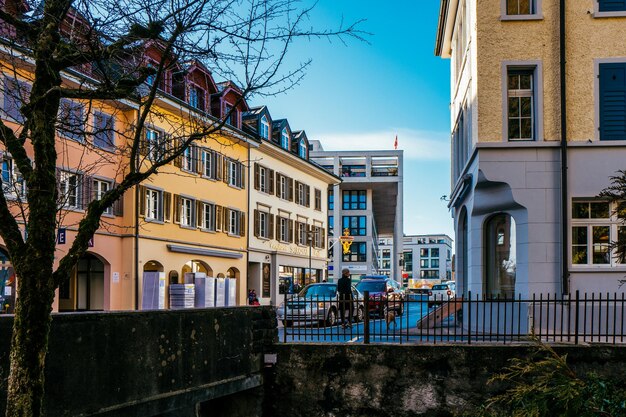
395, 144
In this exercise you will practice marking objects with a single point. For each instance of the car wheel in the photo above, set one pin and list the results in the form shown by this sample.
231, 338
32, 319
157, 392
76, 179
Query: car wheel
331, 319
360, 314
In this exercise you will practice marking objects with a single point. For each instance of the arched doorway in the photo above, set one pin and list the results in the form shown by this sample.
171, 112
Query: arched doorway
500, 256
196, 265
152, 266
85, 289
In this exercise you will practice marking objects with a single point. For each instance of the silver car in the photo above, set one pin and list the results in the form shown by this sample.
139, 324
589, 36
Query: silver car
319, 303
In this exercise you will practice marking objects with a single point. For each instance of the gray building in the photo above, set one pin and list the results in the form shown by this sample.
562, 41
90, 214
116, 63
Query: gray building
367, 203
427, 259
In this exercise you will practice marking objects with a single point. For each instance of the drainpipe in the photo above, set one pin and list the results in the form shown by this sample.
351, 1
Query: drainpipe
564, 193
136, 237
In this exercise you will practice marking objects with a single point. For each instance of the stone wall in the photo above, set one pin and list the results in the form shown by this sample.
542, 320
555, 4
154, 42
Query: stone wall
149, 363
402, 380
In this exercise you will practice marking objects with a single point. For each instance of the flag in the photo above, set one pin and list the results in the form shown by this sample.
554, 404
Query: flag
395, 144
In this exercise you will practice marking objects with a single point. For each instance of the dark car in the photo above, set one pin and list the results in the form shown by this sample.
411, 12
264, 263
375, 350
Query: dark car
385, 293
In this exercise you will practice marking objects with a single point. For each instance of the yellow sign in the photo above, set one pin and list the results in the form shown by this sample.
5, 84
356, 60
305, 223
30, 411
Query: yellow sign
346, 241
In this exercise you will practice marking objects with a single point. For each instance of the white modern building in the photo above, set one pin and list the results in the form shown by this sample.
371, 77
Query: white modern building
367, 204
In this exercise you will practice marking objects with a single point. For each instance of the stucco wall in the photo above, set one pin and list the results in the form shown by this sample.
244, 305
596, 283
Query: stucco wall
403, 380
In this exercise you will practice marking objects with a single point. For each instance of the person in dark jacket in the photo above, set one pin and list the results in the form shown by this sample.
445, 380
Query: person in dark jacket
344, 288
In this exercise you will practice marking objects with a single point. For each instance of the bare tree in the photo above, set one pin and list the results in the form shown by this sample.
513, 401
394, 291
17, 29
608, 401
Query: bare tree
63, 61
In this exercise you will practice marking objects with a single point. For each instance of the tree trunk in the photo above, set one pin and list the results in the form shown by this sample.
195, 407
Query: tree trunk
29, 342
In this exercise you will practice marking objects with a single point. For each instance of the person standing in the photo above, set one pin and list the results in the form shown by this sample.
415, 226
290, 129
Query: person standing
344, 288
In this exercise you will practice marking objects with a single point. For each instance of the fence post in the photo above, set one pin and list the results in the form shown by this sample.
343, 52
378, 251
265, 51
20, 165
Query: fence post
577, 318
285, 321
366, 319
469, 318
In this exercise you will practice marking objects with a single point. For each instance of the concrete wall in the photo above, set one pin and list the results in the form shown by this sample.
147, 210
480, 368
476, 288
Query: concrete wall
403, 380
151, 363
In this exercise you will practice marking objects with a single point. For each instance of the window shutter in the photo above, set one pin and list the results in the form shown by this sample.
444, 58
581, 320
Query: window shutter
271, 181
194, 213
143, 143
118, 205
177, 203
278, 228
290, 182
178, 161
290, 231
307, 195
213, 165
225, 170
270, 227
257, 175
242, 176
88, 193
142, 201
219, 168
167, 206
199, 162
323, 233
218, 218
613, 101
257, 230
226, 220
242, 224
199, 213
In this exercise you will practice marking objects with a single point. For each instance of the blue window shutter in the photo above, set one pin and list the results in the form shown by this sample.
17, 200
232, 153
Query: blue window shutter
612, 5
613, 101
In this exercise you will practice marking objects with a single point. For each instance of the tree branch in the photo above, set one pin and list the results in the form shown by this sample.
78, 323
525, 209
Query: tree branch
15, 146
9, 228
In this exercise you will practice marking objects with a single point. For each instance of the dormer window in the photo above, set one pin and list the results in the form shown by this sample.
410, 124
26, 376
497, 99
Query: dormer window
196, 97
265, 127
302, 148
284, 139
230, 115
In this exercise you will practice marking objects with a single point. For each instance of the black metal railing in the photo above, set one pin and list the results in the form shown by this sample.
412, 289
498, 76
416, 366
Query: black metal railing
392, 318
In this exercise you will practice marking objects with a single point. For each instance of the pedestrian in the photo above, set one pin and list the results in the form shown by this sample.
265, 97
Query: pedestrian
344, 288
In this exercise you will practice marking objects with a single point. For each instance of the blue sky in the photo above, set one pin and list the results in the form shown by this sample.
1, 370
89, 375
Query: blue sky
359, 96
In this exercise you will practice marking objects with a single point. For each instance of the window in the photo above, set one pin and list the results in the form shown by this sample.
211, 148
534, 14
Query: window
71, 122
284, 139
189, 159
155, 143
207, 220
434, 263
302, 149
104, 131
153, 204
318, 237
424, 253
301, 230
265, 127
612, 116
358, 253
424, 263
429, 274
235, 173
611, 5
520, 104
386, 253
263, 224
284, 226
13, 184
596, 225
318, 199
263, 179
501, 256
197, 97
303, 194
331, 224
284, 184
208, 163
331, 200
408, 261
100, 188
356, 225
354, 200
187, 212
70, 189
434, 253
520, 7
230, 115
461, 141
236, 223
16, 93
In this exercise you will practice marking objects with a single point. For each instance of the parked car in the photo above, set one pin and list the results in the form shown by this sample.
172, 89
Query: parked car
385, 293
318, 303
440, 293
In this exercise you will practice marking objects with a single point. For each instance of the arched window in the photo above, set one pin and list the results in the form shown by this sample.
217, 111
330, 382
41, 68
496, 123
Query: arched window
500, 256
265, 127
284, 139
302, 148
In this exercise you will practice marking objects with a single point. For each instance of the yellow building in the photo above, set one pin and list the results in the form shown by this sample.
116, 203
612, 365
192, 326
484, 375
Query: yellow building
538, 122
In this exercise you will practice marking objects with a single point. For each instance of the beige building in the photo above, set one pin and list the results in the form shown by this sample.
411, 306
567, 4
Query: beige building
538, 121
287, 243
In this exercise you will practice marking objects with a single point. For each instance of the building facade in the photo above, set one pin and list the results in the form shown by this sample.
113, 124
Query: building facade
538, 122
427, 260
367, 205
288, 218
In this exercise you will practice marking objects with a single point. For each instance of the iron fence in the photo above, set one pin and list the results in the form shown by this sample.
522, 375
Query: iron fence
576, 318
